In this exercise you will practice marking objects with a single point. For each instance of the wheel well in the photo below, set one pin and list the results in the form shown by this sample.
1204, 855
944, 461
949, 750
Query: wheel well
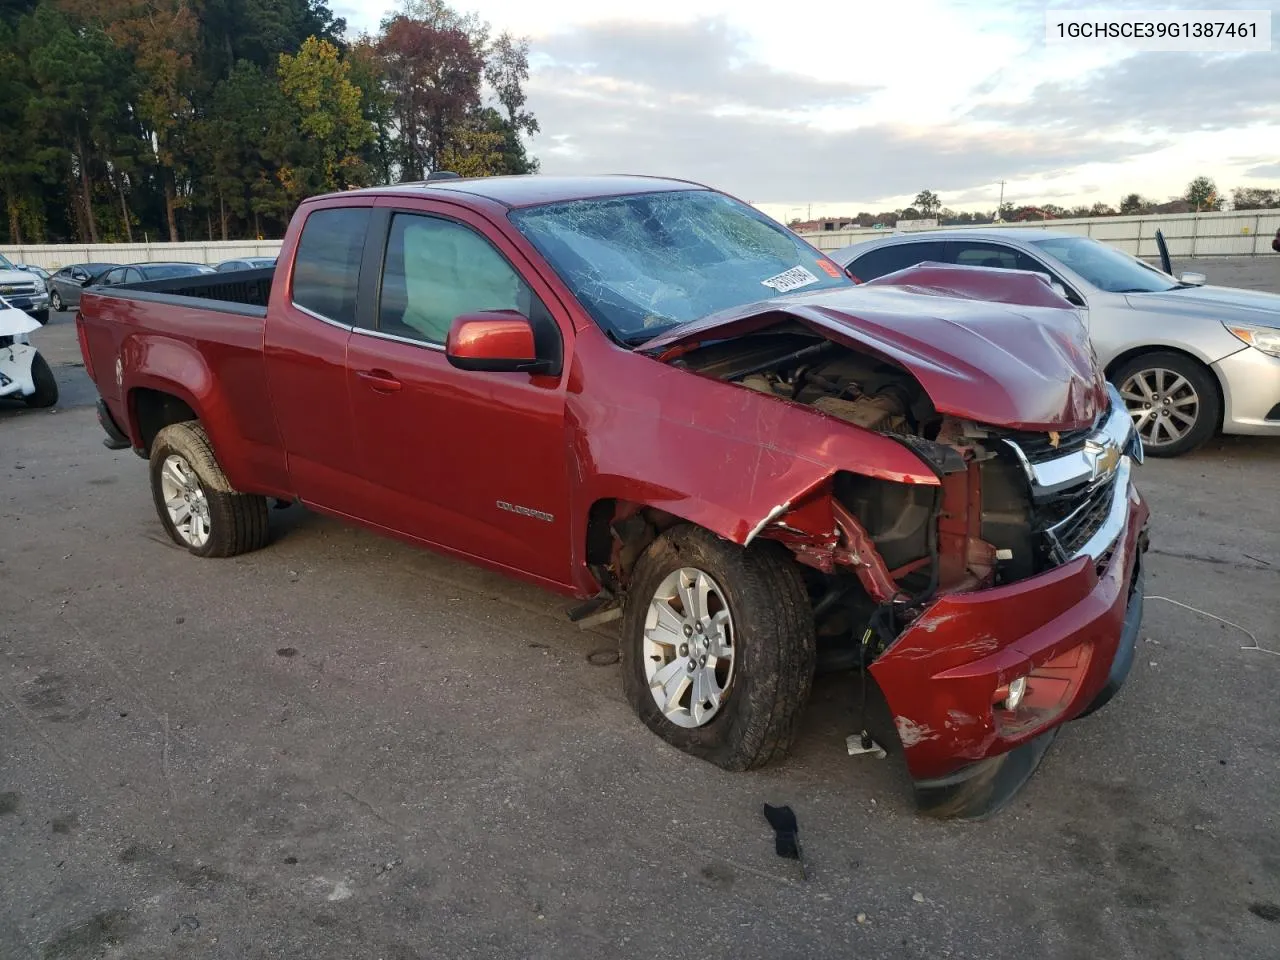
154, 410
1122, 358
618, 532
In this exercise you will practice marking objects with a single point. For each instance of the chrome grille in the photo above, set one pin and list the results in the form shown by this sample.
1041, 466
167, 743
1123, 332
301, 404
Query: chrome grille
1040, 446
1066, 537
1079, 488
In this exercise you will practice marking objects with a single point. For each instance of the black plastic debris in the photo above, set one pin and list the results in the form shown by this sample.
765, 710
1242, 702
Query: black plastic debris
786, 833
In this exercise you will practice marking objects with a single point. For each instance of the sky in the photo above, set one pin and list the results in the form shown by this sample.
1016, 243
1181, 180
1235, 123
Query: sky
832, 109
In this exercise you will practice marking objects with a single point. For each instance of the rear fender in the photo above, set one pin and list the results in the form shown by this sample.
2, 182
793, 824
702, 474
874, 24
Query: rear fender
176, 368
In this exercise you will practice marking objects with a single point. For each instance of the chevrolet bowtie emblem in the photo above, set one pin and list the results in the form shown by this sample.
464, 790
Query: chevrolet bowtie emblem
1105, 457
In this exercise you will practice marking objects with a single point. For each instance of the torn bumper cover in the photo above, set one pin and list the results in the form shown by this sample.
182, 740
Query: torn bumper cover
1068, 633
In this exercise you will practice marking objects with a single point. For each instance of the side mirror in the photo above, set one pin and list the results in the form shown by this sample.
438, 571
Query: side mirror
494, 341
79, 276
1059, 289
1194, 279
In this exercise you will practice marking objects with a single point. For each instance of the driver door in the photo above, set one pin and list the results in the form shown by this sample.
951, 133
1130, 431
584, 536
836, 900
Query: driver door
475, 462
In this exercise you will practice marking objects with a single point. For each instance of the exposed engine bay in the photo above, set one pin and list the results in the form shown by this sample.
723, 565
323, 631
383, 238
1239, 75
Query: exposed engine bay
793, 363
881, 551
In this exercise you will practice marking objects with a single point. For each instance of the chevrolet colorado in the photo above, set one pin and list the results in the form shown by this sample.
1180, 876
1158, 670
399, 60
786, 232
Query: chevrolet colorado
644, 394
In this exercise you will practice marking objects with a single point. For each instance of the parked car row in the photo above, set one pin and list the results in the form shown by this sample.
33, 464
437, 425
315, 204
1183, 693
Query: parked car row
1189, 359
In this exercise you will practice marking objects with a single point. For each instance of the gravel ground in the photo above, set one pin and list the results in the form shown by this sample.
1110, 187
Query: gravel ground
341, 746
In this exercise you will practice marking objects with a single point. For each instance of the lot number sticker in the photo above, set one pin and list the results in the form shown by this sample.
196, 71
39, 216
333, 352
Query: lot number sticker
793, 279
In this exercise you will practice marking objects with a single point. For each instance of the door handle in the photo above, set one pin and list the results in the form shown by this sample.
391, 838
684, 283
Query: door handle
379, 380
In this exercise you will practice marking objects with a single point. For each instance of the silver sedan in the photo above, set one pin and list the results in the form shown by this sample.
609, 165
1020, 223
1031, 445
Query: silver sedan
1189, 359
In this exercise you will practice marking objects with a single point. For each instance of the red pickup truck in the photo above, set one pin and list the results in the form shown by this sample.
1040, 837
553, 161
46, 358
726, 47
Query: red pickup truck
644, 394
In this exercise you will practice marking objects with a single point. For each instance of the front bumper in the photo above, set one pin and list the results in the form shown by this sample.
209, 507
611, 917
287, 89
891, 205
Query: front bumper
1071, 631
1250, 392
31, 304
16, 380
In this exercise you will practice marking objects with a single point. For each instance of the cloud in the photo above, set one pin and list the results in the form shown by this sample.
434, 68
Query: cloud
1173, 92
703, 63
1264, 171
687, 100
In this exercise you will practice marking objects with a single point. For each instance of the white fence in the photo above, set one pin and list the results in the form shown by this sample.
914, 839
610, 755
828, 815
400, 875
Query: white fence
53, 256
1233, 234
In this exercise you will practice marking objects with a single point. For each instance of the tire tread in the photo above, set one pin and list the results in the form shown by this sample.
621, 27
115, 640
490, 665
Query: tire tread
240, 521
782, 652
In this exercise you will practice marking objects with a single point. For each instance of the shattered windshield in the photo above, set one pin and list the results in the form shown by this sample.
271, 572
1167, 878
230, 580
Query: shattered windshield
642, 263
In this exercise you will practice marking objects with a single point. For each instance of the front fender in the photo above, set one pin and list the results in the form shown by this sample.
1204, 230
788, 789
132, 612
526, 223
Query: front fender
15, 370
725, 458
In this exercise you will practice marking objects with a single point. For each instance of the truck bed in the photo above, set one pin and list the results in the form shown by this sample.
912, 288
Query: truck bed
244, 292
210, 332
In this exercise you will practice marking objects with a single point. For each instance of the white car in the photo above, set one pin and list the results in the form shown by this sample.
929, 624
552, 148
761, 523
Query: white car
1189, 360
24, 374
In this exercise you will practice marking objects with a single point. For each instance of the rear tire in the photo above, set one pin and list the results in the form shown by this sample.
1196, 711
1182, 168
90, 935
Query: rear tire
196, 503
46, 394
1161, 390
55, 301
757, 709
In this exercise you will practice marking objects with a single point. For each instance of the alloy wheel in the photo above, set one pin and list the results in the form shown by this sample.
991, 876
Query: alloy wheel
185, 501
688, 647
1163, 403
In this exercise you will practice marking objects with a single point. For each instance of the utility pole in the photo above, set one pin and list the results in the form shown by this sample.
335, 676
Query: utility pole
1001, 194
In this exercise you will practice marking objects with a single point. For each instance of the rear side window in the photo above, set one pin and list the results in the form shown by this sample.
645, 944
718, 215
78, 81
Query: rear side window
326, 268
890, 259
972, 253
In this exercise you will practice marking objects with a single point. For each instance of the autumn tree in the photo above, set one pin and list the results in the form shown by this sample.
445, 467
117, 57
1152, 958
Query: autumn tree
319, 85
177, 119
160, 35
433, 73
1202, 193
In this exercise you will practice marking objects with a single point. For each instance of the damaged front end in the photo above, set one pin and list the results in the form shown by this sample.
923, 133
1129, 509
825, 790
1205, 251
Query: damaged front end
990, 608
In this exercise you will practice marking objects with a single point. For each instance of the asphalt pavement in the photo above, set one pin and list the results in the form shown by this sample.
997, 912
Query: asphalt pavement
341, 746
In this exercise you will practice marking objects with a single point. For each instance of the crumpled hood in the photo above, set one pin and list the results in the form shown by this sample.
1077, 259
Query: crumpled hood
994, 346
1227, 304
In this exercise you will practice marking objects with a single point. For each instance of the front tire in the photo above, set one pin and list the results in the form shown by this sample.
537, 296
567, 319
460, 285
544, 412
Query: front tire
718, 648
46, 393
196, 503
41, 317
1173, 400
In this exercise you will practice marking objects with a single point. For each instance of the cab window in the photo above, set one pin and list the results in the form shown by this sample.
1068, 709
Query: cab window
326, 269
436, 270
